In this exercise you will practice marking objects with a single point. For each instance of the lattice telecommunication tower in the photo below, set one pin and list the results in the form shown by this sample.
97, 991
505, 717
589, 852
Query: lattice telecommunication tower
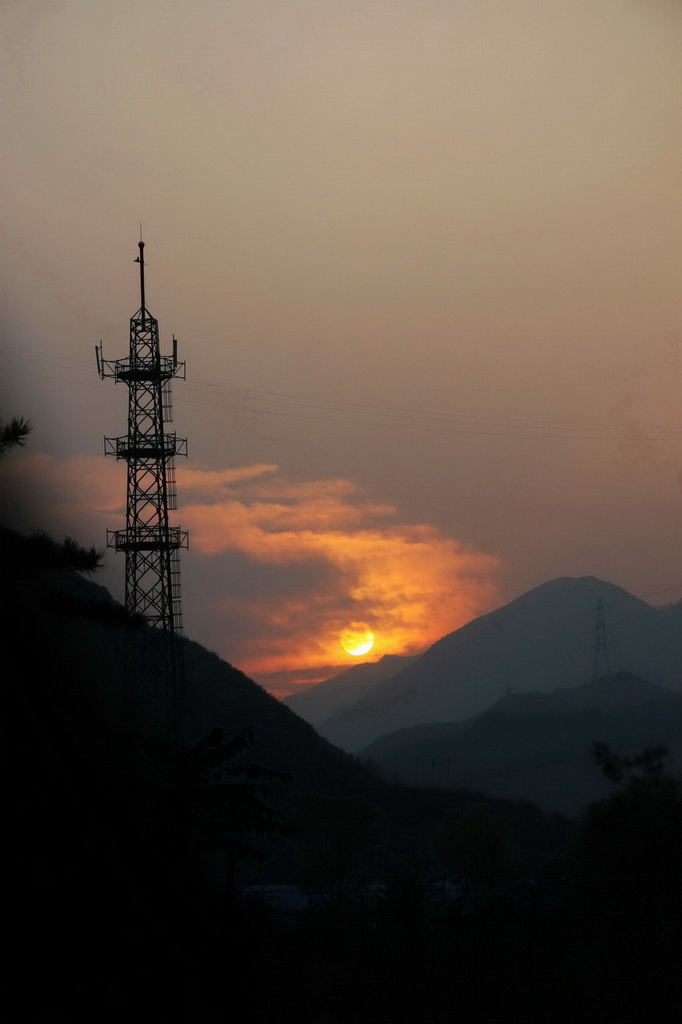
151, 545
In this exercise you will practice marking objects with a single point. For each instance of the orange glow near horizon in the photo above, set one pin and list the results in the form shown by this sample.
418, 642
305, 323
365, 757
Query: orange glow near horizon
325, 557
411, 581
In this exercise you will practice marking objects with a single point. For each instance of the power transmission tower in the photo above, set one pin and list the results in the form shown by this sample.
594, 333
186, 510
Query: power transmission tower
151, 545
601, 666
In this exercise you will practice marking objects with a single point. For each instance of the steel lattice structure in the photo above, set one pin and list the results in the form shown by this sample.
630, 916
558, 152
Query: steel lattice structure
151, 545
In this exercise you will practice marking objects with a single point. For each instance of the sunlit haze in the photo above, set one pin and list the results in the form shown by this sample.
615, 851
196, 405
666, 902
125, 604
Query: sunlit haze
424, 264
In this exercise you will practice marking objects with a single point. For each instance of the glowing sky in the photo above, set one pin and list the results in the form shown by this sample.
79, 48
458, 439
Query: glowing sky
424, 262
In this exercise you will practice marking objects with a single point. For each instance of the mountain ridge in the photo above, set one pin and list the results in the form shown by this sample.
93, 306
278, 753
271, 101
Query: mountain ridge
538, 746
316, 703
543, 640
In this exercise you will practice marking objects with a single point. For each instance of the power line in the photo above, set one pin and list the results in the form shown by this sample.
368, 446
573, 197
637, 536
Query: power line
314, 408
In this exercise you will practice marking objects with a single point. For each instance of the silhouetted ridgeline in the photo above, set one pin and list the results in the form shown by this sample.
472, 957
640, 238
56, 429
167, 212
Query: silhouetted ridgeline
538, 746
542, 641
318, 703
114, 915
75, 658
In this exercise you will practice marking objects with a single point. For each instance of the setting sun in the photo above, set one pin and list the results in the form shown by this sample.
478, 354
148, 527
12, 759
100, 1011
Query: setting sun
357, 639
418, 583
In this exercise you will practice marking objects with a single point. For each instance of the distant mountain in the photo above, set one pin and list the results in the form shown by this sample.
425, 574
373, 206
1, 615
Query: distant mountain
616, 692
544, 640
538, 746
317, 703
65, 643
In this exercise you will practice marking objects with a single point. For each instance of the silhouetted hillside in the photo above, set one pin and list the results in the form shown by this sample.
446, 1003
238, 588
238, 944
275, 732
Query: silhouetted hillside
111, 919
69, 643
544, 640
538, 746
215, 694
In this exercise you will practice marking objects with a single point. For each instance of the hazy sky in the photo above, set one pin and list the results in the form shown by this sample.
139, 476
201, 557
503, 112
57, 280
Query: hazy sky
424, 262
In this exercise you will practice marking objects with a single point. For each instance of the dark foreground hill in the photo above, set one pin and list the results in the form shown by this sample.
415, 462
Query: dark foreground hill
544, 640
110, 921
112, 915
66, 644
538, 746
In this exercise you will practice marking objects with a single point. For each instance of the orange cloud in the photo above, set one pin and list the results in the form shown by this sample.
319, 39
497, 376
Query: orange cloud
409, 583
281, 567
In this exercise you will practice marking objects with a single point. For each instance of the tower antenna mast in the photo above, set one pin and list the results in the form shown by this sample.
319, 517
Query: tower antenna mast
150, 544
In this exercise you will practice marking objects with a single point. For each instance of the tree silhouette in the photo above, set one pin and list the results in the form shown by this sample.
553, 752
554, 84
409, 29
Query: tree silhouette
39, 551
13, 434
649, 762
629, 845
